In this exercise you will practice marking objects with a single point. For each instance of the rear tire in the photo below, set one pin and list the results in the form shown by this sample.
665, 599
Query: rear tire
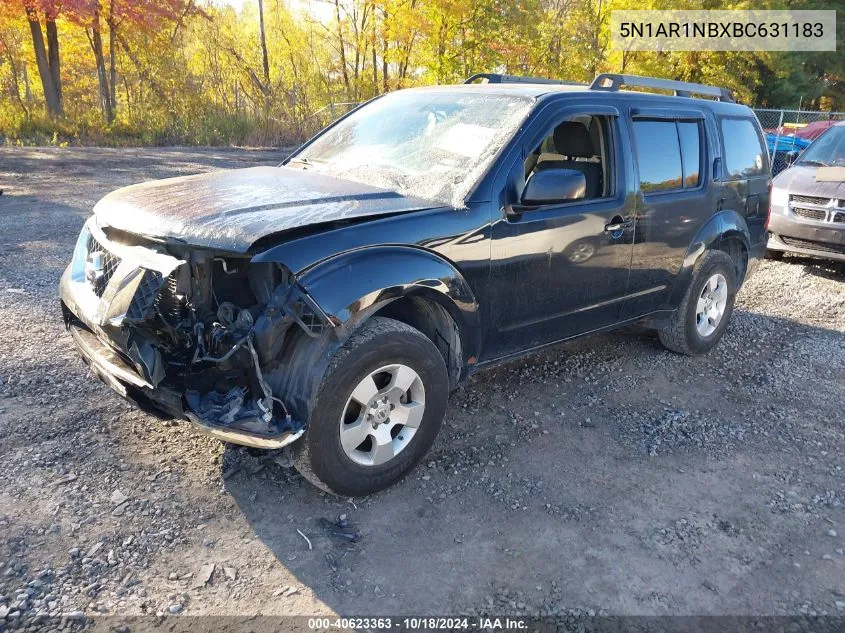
378, 409
700, 321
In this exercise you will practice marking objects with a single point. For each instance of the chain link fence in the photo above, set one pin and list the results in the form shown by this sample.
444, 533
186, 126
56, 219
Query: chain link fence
790, 131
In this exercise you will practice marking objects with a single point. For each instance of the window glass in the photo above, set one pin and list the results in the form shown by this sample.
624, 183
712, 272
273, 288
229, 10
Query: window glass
580, 143
828, 149
426, 144
743, 149
688, 132
658, 155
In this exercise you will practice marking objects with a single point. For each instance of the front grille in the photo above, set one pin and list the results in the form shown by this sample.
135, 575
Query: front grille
809, 200
144, 301
838, 218
824, 247
812, 214
110, 264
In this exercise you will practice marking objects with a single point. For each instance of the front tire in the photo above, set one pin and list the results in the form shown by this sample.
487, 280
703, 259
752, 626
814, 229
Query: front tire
378, 409
701, 319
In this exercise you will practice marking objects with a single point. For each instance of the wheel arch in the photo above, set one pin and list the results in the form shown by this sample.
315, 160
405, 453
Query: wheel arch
726, 231
737, 250
406, 283
410, 284
432, 319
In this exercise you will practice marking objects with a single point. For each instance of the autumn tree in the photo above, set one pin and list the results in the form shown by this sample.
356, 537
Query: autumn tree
93, 20
275, 71
117, 16
11, 42
264, 56
47, 55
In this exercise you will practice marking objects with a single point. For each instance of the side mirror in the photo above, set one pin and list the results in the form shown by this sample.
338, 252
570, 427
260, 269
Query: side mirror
791, 156
555, 184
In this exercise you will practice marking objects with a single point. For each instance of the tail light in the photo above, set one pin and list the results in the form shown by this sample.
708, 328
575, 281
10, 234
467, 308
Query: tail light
768, 209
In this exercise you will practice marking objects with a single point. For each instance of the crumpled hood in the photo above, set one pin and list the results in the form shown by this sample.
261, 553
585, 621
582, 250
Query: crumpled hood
230, 210
801, 180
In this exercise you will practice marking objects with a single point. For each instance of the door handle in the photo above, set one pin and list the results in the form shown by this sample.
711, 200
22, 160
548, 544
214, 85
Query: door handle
618, 224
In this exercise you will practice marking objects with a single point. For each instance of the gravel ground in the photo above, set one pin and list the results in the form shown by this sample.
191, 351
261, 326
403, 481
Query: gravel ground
603, 476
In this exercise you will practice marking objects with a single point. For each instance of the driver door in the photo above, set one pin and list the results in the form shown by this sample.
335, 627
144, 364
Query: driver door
561, 269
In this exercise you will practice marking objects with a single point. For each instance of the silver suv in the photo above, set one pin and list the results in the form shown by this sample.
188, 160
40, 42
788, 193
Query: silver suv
808, 201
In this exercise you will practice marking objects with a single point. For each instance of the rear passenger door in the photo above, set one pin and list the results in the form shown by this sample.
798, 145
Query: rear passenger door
673, 157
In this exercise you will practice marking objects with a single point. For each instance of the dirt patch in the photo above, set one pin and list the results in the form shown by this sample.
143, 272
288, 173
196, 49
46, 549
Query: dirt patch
603, 476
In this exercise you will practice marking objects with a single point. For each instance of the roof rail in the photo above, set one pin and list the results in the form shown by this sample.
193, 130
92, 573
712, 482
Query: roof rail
612, 82
495, 78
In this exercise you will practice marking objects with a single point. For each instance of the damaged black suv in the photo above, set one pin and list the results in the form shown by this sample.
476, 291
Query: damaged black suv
332, 303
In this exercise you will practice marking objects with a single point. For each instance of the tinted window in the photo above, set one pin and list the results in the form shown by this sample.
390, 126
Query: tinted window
743, 149
688, 132
658, 155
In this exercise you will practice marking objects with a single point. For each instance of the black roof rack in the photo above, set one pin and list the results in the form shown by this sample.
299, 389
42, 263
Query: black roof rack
613, 82
495, 78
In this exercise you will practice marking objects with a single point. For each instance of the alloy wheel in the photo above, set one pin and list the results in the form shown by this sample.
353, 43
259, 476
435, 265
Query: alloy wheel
711, 305
382, 415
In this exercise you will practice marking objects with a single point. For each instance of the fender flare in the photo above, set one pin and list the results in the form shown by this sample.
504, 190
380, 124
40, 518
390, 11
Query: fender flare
727, 224
352, 286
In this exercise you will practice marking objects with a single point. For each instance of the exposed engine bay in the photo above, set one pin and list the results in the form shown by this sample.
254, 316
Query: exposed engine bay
203, 330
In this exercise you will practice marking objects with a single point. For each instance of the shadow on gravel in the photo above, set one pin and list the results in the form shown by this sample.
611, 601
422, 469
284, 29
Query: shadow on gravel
29, 218
612, 490
820, 267
816, 266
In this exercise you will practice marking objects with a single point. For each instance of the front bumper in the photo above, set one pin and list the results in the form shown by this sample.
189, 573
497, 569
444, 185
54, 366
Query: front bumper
110, 367
792, 234
100, 323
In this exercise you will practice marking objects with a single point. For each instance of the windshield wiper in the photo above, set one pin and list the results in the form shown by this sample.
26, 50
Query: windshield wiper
303, 160
815, 162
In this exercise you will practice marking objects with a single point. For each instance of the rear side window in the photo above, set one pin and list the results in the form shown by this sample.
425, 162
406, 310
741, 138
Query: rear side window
668, 154
690, 135
743, 148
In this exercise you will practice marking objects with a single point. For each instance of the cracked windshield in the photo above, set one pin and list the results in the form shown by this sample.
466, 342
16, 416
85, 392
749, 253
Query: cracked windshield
422, 144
